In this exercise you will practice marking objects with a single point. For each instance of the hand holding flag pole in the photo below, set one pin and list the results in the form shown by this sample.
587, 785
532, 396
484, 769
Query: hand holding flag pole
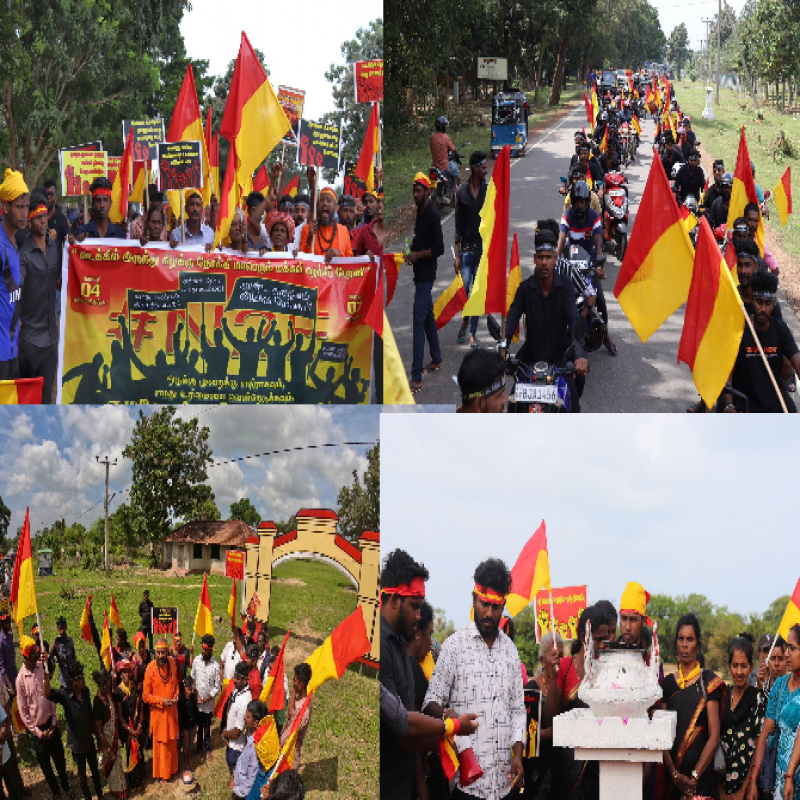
764, 359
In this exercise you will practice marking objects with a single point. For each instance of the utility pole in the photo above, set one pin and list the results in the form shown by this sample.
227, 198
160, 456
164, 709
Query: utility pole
719, 44
708, 23
108, 463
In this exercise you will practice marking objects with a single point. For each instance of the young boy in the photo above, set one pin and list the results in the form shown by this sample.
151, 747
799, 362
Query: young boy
187, 718
247, 766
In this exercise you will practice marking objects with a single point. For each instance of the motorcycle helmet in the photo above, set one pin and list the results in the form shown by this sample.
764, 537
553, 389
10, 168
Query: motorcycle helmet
676, 168
691, 203
441, 124
727, 179
602, 117
580, 191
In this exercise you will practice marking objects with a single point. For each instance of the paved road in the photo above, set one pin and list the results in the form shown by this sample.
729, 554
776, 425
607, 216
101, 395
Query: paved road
643, 377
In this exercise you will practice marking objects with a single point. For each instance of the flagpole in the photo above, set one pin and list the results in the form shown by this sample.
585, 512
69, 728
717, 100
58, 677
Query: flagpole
553, 620
764, 358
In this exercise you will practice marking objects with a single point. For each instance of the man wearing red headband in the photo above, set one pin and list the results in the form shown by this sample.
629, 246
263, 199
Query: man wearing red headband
39, 281
101, 227
402, 596
323, 235
479, 670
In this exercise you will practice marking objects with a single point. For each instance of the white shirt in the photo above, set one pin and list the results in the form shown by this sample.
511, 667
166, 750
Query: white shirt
229, 659
236, 713
298, 232
206, 681
471, 678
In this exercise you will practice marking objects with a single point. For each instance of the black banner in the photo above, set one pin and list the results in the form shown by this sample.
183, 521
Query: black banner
180, 165
333, 351
202, 287
353, 186
279, 298
164, 620
153, 301
318, 145
147, 135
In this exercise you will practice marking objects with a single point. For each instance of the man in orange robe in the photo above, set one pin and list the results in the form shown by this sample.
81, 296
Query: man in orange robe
326, 237
160, 692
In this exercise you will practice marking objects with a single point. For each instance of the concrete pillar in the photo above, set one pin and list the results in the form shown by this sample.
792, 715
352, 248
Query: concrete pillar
621, 780
258, 567
368, 588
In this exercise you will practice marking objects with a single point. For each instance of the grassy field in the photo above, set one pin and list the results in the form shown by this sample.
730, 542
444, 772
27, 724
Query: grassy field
409, 152
720, 138
308, 598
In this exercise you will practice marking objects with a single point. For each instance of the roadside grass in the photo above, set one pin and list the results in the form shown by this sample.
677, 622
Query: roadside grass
408, 151
309, 598
720, 138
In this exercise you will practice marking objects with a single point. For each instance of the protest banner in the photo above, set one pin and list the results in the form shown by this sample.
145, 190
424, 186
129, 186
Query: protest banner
568, 603
234, 564
319, 145
159, 325
163, 620
533, 715
147, 135
180, 166
353, 185
292, 101
79, 168
369, 81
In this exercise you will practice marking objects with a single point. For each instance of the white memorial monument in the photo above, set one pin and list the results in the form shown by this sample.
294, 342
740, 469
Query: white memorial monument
616, 729
708, 111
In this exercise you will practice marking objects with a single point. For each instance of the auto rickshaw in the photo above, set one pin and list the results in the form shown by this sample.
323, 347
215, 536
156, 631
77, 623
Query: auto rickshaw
510, 112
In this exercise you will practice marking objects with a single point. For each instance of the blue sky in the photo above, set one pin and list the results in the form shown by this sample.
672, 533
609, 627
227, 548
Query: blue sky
682, 504
49, 457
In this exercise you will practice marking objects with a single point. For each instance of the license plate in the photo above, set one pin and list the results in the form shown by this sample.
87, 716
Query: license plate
536, 393
519, 138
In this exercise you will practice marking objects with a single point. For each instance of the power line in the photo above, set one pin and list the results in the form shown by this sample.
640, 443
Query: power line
291, 450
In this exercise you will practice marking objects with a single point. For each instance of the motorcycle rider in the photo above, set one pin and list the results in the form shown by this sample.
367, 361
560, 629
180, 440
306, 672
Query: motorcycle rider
715, 189
552, 323
482, 381
718, 213
609, 161
691, 179
579, 174
584, 227
441, 145
593, 168
673, 154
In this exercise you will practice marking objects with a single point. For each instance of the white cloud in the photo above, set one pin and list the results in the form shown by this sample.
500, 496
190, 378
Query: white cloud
22, 428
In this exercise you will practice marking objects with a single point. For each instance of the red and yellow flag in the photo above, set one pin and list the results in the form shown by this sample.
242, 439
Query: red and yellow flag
254, 120
629, 76
657, 268
232, 603
293, 187
489, 290
267, 742
105, 643
792, 615
589, 109
212, 149
689, 219
286, 759
203, 622
744, 191
219, 706
783, 195
122, 184
636, 126
365, 168
273, 694
133, 756
514, 279
348, 642
452, 300
530, 574
396, 390
186, 125
714, 319
113, 613
17, 725
141, 180
261, 179
23, 590
229, 200
86, 628
595, 106
24, 391
604, 141
392, 263
448, 757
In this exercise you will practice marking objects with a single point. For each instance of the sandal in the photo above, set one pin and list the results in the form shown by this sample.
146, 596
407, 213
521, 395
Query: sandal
462, 335
612, 349
433, 367
474, 344
415, 387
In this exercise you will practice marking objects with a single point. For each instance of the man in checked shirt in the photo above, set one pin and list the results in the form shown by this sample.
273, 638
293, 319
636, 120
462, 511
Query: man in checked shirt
479, 671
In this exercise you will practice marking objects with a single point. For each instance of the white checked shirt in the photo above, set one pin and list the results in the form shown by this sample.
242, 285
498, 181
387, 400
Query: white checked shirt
207, 682
472, 679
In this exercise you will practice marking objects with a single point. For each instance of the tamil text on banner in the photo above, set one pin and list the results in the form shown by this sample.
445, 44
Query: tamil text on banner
160, 325
318, 145
291, 101
568, 603
180, 165
369, 81
234, 564
79, 168
147, 134
165, 620
353, 185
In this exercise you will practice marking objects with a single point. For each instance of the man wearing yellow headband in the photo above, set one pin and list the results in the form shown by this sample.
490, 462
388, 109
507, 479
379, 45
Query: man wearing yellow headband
15, 198
100, 227
426, 247
195, 230
323, 235
633, 613
479, 671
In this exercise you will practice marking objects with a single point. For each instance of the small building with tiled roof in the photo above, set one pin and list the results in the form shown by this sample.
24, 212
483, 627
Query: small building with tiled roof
201, 545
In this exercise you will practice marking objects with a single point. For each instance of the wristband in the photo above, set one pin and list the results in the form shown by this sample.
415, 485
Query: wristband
456, 726
449, 727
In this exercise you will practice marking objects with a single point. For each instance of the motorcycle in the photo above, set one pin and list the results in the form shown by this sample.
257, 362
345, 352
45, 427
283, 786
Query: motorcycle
625, 143
595, 330
615, 212
444, 183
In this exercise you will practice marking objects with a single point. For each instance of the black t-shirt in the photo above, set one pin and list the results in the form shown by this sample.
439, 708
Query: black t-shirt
420, 684
712, 193
58, 223
689, 182
717, 214
427, 236
749, 375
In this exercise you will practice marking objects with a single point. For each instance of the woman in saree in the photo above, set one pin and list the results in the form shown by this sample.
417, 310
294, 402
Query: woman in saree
742, 714
783, 720
107, 729
130, 713
695, 694
139, 661
572, 780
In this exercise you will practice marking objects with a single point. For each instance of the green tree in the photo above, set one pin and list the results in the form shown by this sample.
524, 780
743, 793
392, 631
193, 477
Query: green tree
5, 520
678, 48
367, 45
205, 507
288, 526
126, 533
442, 626
244, 510
359, 503
170, 457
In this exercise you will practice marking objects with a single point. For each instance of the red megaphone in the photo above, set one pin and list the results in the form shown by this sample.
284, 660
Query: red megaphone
468, 765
